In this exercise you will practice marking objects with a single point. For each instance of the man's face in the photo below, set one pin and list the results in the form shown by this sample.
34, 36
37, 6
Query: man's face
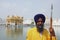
40, 21
40, 24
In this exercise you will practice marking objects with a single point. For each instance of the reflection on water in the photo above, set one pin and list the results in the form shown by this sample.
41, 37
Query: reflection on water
14, 32
18, 32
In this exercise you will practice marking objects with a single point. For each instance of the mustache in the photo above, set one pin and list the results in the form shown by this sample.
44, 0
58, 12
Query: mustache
40, 26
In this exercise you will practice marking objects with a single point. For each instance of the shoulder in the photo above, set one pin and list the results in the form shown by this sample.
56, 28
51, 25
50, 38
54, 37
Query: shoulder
31, 30
46, 31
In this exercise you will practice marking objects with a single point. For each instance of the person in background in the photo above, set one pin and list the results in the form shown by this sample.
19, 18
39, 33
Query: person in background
39, 32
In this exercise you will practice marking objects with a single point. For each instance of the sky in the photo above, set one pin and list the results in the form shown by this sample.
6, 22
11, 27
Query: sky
29, 8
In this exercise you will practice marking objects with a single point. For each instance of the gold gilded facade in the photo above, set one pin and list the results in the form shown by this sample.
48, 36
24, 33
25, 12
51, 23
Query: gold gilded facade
14, 19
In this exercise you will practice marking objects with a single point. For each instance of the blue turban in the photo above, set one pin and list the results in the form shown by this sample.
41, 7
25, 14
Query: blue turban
36, 17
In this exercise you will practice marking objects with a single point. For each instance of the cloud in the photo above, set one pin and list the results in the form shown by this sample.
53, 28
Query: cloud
7, 4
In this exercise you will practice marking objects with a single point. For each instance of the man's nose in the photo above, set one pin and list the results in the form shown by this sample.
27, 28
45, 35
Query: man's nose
40, 22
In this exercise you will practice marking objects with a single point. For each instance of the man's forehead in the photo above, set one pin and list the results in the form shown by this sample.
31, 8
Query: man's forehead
40, 19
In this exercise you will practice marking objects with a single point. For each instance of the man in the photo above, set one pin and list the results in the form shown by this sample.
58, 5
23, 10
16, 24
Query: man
39, 32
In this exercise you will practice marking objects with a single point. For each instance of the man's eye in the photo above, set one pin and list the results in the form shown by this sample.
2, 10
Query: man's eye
40, 21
